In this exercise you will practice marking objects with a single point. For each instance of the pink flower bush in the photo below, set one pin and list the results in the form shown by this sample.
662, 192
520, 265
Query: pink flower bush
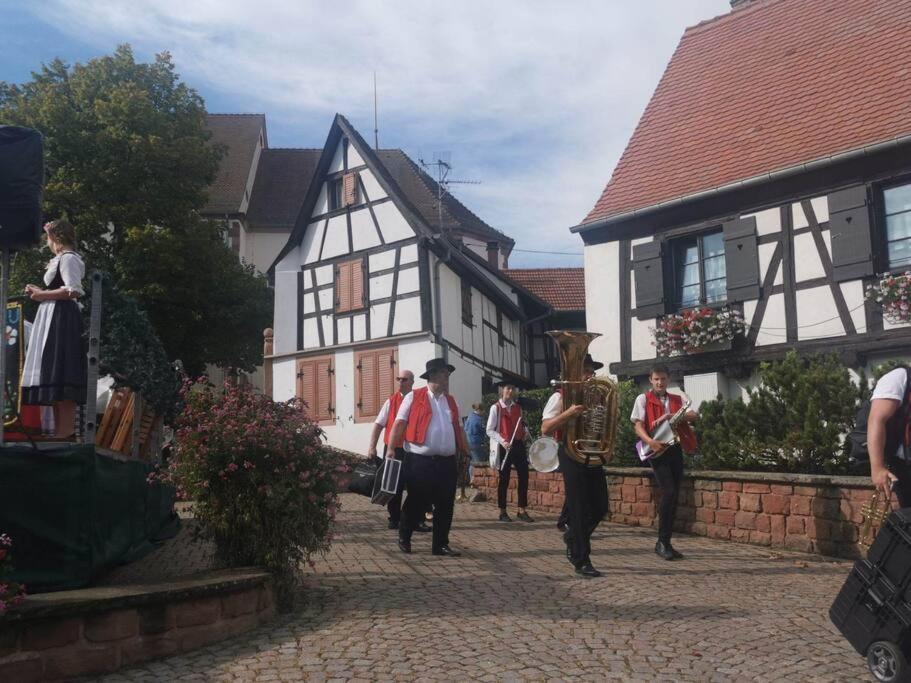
11, 593
263, 486
893, 293
692, 330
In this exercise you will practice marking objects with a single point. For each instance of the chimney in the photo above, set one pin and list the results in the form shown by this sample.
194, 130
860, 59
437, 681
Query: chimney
493, 255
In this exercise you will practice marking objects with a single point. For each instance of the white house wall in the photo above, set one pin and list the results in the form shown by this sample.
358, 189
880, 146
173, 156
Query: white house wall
602, 269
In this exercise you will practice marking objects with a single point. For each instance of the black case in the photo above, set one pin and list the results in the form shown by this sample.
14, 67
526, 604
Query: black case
875, 602
21, 184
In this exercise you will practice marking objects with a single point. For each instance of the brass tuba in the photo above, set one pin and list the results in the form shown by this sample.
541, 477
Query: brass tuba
589, 438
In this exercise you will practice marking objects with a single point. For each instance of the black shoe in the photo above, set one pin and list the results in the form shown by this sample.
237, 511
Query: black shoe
423, 528
504, 517
677, 556
664, 551
393, 525
569, 549
588, 571
446, 550
405, 546
525, 517
561, 526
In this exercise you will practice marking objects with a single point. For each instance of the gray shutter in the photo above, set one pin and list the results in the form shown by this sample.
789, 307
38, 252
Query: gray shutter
649, 280
741, 259
849, 228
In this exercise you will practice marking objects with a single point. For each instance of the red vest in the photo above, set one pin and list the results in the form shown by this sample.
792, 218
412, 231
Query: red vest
421, 413
395, 401
508, 419
654, 409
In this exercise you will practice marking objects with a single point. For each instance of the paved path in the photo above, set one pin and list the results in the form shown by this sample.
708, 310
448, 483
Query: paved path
511, 609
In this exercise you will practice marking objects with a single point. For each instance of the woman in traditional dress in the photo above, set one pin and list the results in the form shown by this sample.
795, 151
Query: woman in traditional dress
55, 362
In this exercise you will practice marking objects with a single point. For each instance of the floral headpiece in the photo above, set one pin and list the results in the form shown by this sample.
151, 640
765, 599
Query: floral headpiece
47, 226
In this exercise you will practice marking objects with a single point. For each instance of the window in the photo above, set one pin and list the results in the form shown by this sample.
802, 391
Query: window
335, 188
375, 373
350, 293
897, 203
466, 304
316, 388
699, 270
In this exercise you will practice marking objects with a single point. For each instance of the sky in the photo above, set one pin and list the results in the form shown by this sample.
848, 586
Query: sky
533, 101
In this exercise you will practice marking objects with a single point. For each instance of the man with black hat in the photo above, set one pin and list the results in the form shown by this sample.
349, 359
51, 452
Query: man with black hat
428, 420
506, 430
585, 487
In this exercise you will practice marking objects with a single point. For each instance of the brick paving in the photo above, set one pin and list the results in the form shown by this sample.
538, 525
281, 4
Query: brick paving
512, 609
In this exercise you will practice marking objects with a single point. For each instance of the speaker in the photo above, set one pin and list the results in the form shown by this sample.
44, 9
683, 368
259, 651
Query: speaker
21, 185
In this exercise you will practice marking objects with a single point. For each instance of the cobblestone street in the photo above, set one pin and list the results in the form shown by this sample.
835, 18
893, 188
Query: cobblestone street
512, 609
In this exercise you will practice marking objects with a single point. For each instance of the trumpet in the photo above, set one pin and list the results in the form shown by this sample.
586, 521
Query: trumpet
875, 512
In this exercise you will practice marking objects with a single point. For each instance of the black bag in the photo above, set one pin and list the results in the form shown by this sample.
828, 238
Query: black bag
857, 437
364, 476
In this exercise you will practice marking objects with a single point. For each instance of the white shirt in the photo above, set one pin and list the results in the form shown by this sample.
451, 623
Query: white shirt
383, 416
493, 424
553, 407
72, 270
440, 439
892, 385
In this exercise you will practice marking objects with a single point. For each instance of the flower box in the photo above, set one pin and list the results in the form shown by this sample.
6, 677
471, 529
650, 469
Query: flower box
697, 330
893, 294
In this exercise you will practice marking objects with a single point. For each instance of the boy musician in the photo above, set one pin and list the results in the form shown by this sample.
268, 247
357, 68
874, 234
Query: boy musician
506, 429
585, 487
650, 410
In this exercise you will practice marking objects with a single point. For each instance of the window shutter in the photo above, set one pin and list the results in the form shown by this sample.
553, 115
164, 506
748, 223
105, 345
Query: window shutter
306, 387
325, 390
356, 270
343, 287
367, 384
649, 272
741, 259
350, 189
386, 370
849, 228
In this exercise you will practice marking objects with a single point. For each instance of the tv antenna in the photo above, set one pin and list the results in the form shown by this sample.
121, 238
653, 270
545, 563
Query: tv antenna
441, 166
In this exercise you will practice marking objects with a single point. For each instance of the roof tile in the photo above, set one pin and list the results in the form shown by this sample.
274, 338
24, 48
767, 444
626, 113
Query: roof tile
561, 288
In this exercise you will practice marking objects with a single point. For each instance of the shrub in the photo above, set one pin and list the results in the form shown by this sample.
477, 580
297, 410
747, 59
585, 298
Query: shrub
11, 593
263, 489
794, 421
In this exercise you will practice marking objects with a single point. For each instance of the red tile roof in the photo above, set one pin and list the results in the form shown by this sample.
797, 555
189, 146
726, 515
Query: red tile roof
767, 86
562, 288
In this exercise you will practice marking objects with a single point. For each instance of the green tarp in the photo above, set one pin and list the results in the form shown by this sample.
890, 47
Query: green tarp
73, 513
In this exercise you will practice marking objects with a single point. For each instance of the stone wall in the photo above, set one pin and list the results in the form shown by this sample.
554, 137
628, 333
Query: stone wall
819, 514
61, 636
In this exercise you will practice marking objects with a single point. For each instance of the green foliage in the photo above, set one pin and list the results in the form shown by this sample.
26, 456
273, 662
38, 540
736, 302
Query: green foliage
206, 306
624, 448
264, 490
794, 421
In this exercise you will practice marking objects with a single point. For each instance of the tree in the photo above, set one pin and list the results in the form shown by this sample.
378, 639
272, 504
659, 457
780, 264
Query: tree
128, 161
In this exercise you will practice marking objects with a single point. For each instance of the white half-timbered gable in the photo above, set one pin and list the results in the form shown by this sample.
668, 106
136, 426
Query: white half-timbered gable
761, 194
370, 283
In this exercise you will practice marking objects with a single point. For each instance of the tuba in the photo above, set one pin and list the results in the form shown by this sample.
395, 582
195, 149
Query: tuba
589, 439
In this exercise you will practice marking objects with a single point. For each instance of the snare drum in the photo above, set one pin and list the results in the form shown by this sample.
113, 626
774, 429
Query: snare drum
543, 454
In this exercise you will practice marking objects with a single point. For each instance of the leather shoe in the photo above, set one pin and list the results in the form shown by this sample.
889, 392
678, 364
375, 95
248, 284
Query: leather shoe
664, 551
677, 556
525, 517
504, 516
405, 546
423, 528
446, 550
561, 526
588, 571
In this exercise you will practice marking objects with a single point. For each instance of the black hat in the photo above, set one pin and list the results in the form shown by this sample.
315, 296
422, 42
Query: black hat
436, 364
592, 362
507, 382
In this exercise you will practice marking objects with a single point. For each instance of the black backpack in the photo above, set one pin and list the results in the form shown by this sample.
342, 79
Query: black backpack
857, 437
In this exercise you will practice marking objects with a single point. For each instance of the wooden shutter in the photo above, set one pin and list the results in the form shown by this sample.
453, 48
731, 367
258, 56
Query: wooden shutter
387, 371
375, 373
306, 386
350, 189
741, 259
466, 303
357, 285
343, 287
649, 272
325, 390
849, 228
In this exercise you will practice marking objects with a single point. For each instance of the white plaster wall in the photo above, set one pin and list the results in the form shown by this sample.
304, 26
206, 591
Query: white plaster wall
363, 232
379, 320
451, 303
309, 302
821, 208
807, 264
382, 260
853, 292
705, 387
772, 330
263, 247
409, 254
407, 316
642, 339
338, 159
285, 312
892, 326
354, 159
322, 202
328, 333
336, 242
310, 245
374, 189
602, 299
767, 222
344, 331
311, 333
817, 315
409, 280
381, 286
392, 223
359, 322
324, 274
798, 218
284, 379
465, 382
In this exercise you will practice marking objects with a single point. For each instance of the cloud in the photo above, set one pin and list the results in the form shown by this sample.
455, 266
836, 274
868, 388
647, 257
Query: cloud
535, 99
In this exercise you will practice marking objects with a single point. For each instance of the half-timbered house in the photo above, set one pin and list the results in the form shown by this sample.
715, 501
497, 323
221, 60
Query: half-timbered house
378, 276
770, 172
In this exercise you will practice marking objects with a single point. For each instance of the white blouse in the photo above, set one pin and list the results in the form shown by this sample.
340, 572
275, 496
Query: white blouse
72, 271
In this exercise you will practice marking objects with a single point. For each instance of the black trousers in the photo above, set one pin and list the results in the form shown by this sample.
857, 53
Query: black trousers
517, 458
901, 469
430, 480
586, 502
394, 506
668, 469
